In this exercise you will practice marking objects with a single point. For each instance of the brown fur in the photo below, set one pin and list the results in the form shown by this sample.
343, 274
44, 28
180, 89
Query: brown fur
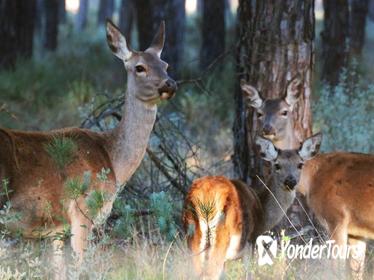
36, 181
339, 188
244, 215
241, 209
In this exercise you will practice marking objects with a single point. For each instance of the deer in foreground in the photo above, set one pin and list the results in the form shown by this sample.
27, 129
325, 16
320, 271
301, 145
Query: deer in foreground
34, 179
221, 216
339, 188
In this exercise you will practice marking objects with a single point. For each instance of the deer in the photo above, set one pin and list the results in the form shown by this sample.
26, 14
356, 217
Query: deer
274, 116
222, 216
339, 188
33, 178
275, 120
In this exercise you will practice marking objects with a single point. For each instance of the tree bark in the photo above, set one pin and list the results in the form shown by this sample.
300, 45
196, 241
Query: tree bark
334, 36
276, 43
359, 11
144, 17
213, 31
81, 18
51, 12
17, 20
371, 10
62, 11
127, 18
106, 9
174, 14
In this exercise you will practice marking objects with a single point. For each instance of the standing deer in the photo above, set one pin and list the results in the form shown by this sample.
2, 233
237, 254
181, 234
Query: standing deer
275, 120
34, 180
339, 188
220, 215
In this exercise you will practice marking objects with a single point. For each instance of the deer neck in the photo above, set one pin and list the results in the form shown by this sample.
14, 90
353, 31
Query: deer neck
130, 138
272, 208
289, 141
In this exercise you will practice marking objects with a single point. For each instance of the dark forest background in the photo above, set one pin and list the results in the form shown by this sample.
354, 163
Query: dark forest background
56, 71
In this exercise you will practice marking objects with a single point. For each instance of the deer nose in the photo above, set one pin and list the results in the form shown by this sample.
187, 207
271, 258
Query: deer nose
267, 129
290, 181
168, 89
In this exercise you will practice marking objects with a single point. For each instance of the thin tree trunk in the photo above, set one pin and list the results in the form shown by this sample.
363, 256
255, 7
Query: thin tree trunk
81, 18
62, 11
174, 14
17, 20
276, 43
213, 31
51, 11
359, 11
371, 10
334, 40
39, 17
144, 16
106, 9
127, 18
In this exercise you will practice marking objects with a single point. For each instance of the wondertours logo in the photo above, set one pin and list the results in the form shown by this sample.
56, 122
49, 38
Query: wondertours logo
268, 250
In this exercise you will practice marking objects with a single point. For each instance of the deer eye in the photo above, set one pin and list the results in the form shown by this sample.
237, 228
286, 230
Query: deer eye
139, 69
300, 165
277, 167
284, 113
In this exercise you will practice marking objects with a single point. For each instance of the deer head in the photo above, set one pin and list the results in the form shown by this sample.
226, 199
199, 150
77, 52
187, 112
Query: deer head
274, 115
287, 164
147, 73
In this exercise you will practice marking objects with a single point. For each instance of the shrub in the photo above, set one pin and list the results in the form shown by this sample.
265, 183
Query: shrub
61, 150
345, 115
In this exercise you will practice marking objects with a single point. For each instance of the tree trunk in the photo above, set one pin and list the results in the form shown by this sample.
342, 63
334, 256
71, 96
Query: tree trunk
127, 18
51, 11
106, 9
359, 11
144, 16
276, 43
39, 18
61, 11
213, 31
371, 10
16, 31
334, 40
81, 18
174, 14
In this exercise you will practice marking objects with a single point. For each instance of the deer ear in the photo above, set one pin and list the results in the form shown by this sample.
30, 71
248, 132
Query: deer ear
267, 149
311, 146
251, 95
158, 41
117, 42
293, 90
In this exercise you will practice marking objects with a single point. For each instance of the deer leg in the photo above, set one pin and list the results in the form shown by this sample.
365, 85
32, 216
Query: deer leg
217, 253
357, 257
80, 229
340, 235
59, 266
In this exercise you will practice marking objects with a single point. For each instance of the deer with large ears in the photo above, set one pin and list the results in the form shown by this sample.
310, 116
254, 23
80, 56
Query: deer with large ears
221, 216
275, 116
34, 180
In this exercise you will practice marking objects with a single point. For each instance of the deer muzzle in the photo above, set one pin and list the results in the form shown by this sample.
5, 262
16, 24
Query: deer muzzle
290, 182
168, 89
